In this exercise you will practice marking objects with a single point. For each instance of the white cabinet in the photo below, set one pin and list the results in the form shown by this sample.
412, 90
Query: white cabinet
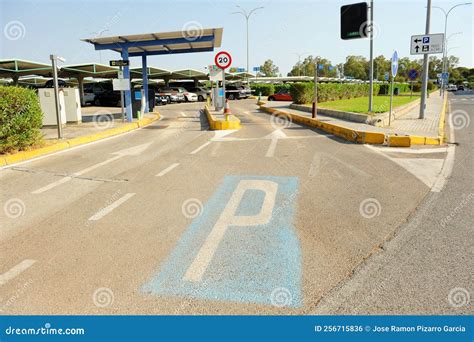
72, 102
48, 106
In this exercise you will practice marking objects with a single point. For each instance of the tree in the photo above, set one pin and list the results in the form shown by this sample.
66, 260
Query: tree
381, 66
357, 67
306, 68
269, 68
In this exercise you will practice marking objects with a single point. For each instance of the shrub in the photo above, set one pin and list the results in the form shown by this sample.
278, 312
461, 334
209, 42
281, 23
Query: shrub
263, 88
303, 92
402, 88
279, 87
20, 119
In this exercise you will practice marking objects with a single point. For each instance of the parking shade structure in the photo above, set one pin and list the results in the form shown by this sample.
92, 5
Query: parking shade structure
16, 68
153, 44
81, 71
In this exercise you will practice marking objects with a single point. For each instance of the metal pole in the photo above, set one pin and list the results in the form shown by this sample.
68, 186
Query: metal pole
391, 101
247, 45
223, 89
56, 96
371, 69
314, 109
424, 84
121, 99
441, 90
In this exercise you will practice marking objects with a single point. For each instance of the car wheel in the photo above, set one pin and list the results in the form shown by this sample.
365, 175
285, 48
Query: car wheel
271, 98
200, 98
231, 97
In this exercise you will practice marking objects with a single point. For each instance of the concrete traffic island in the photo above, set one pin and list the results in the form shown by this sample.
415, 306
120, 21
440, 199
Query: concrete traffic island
219, 121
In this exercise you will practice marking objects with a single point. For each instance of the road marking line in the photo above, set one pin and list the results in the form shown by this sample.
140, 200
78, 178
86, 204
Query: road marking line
168, 169
107, 210
271, 148
200, 147
183, 114
410, 151
15, 271
75, 174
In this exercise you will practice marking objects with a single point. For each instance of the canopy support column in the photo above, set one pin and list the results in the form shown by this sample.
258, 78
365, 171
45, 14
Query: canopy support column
127, 93
15, 80
80, 80
145, 82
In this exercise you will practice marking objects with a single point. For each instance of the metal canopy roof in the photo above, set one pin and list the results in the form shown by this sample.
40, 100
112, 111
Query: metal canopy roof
161, 43
152, 72
240, 76
187, 74
10, 68
88, 70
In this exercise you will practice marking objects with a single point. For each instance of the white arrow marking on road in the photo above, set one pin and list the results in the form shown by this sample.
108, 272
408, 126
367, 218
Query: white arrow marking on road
168, 169
107, 210
15, 271
274, 136
133, 151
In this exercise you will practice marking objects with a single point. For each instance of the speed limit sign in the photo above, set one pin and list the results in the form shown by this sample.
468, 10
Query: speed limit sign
223, 60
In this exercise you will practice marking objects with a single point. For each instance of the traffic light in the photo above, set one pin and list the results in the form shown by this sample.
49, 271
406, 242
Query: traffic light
354, 21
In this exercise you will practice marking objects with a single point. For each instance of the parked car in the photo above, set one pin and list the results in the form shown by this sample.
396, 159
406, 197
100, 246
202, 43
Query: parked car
89, 95
201, 92
188, 96
50, 83
461, 87
281, 95
452, 87
247, 90
161, 100
171, 95
105, 95
234, 92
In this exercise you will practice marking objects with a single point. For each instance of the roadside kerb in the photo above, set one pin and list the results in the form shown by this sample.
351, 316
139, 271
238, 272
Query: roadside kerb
360, 137
215, 124
62, 145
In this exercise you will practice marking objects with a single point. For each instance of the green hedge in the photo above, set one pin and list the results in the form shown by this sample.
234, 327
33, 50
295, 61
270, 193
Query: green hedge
402, 88
303, 92
264, 88
20, 119
279, 87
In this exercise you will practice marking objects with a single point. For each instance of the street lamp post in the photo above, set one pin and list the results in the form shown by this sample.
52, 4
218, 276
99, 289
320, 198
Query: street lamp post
299, 61
247, 17
54, 61
446, 14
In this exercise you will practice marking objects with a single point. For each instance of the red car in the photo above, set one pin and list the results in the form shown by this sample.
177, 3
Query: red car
282, 95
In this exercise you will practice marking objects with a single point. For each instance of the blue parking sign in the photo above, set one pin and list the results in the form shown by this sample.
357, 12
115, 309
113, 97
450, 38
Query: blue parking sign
426, 40
241, 248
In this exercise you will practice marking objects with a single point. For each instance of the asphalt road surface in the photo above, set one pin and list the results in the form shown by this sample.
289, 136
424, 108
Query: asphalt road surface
275, 218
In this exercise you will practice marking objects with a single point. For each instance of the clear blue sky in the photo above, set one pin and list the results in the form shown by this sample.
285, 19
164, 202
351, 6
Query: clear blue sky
278, 32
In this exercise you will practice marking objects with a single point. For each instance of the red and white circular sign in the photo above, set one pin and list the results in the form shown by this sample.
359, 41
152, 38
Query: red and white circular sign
223, 59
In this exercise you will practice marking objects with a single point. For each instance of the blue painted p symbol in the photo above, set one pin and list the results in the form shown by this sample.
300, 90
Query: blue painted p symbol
242, 248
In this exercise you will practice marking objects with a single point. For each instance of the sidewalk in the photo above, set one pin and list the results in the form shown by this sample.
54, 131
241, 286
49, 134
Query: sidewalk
408, 124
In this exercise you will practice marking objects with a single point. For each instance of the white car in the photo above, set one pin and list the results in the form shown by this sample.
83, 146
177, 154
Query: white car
189, 97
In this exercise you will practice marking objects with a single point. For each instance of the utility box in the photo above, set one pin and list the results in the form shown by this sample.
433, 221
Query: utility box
139, 102
72, 104
48, 107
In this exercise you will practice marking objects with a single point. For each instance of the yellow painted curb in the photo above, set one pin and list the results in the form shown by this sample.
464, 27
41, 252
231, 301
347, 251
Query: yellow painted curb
62, 145
233, 123
361, 137
442, 120
399, 141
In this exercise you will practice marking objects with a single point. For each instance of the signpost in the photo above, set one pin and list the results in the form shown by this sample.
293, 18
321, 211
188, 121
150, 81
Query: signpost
427, 44
412, 75
119, 63
394, 73
223, 60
